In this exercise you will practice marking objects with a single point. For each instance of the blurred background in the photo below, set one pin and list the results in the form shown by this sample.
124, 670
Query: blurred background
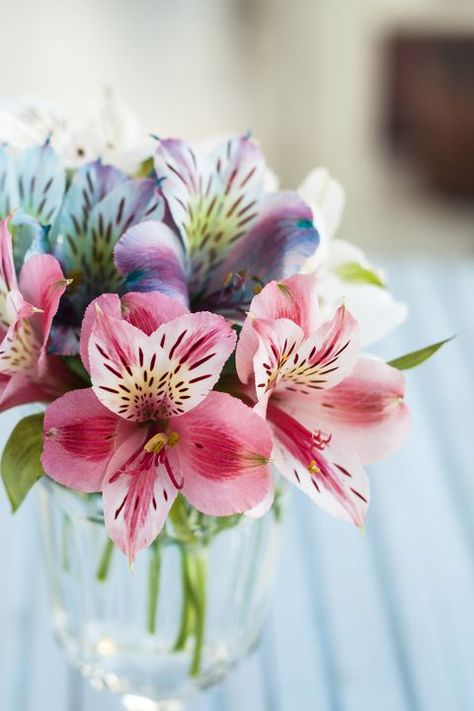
381, 92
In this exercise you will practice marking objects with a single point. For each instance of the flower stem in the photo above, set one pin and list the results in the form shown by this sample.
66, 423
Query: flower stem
200, 607
104, 565
66, 532
154, 585
187, 610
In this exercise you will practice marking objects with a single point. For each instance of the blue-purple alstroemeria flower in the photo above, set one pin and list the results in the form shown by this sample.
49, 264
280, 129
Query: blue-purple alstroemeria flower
225, 237
79, 224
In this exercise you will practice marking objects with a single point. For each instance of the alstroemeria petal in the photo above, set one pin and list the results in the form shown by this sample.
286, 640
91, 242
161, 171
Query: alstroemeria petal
222, 456
137, 496
294, 299
326, 197
278, 342
90, 184
129, 203
144, 311
147, 311
213, 197
324, 359
8, 280
20, 349
41, 182
145, 377
329, 474
108, 304
80, 437
42, 283
366, 410
29, 238
279, 243
9, 198
19, 389
150, 256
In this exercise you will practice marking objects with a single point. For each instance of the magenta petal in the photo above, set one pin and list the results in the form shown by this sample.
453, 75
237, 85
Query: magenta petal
80, 436
144, 377
222, 456
8, 279
148, 311
143, 311
107, 303
42, 283
137, 496
150, 256
304, 369
294, 299
19, 389
331, 475
366, 410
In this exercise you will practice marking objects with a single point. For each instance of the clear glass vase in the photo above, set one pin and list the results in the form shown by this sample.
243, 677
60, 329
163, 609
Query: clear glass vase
190, 609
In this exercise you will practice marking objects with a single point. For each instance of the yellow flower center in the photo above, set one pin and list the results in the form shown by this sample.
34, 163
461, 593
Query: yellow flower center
313, 467
159, 440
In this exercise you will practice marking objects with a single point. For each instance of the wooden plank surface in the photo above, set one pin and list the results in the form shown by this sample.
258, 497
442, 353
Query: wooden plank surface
367, 622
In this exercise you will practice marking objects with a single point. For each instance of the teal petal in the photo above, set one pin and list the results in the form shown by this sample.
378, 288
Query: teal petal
41, 182
9, 199
29, 237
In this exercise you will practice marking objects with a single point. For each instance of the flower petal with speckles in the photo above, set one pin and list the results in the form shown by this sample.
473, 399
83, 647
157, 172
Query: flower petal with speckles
144, 378
137, 496
288, 363
332, 476
294, 299
80, 437
276, 247
213, 197
41, 182
144, 311
222, 456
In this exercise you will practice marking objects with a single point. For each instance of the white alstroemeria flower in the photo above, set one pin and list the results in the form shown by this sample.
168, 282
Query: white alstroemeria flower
111, 134
343, 270
29, 120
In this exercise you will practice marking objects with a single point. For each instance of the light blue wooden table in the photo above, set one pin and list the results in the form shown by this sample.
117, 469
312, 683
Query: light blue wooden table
376, 622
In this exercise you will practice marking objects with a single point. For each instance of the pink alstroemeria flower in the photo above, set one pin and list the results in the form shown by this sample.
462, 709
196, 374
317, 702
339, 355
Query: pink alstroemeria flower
331, 411
27, 308
150, 426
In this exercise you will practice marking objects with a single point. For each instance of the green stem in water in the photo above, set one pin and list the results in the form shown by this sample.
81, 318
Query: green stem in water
200, 606
153, 585
104, 565
66, 531
187, 609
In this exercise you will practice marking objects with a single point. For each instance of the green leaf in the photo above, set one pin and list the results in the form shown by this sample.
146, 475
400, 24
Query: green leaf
21, 464
357, 274
410, 360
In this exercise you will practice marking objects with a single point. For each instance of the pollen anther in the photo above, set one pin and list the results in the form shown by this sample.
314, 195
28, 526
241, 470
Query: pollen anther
160, 440
313, 467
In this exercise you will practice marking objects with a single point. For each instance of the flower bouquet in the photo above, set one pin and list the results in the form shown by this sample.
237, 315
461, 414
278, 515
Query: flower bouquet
196, 337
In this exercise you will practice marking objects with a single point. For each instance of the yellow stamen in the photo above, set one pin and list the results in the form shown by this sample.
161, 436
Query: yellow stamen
158, 441
313, 467
173, 438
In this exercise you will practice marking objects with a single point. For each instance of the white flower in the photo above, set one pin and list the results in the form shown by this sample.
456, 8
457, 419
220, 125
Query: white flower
111, 134
343, 271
